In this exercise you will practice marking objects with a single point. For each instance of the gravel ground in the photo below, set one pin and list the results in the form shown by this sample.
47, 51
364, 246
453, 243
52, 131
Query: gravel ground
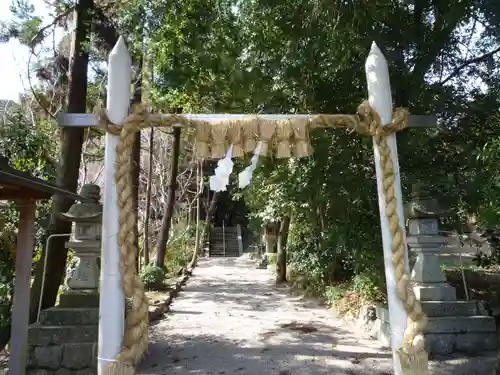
231, 319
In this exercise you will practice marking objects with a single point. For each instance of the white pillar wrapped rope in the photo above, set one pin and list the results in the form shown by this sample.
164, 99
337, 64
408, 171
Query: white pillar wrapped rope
380, 98
112, 299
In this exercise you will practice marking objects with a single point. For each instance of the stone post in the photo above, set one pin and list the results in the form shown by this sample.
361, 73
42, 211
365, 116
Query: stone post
83, 283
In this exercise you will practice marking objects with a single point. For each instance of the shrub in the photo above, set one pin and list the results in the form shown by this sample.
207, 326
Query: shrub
271, 258
152, 276
333, 294
6, 281
179, 250
370, 286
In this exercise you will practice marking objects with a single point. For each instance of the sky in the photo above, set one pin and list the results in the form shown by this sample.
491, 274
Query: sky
14, 57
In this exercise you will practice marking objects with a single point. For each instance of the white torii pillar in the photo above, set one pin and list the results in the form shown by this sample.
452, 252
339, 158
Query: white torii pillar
380, 98
112, 299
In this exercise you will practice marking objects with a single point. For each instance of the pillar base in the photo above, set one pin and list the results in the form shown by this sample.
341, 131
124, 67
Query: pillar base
79, 298
435, 292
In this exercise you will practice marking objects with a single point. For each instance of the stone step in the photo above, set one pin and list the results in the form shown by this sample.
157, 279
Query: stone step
449, 308
57, 316
221, 248
220, 240
222, 255
63, 358
77, 299
226, 253
58, 335
472, 343
461, 324
436, 292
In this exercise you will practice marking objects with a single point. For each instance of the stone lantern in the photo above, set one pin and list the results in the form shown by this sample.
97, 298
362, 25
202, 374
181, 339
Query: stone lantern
423, 213
451, 325
270, 237
86, 246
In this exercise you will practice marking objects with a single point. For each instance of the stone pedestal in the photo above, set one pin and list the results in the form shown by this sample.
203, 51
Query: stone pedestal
430, 282
64, 340
83, 282
453, 326
86, 274
270, 238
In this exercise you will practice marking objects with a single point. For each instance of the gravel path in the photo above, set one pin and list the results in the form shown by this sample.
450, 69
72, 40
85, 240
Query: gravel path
230, 319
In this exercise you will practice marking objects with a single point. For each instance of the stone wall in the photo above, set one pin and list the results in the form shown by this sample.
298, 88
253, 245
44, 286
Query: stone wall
65, 359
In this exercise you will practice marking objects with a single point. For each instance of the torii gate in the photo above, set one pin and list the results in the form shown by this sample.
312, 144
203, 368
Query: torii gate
408, 352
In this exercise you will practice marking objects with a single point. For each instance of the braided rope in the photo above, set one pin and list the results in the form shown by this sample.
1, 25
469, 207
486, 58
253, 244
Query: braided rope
412, 353
135, 339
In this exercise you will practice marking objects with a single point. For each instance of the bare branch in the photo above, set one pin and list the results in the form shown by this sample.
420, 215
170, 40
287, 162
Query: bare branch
40, 35
467, 63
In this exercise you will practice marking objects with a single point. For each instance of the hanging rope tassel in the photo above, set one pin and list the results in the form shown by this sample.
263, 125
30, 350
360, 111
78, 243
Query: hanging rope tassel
220, 180
245, 176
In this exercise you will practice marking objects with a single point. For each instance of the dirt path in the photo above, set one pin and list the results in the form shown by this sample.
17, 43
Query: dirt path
231, 319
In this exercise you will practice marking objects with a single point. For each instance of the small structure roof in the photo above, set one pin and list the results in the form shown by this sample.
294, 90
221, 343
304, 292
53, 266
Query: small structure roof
15, 184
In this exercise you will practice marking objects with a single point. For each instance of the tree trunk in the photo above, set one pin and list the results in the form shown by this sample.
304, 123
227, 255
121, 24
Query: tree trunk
169, 209
145, 242
199, 191
4, 336
136, 156
211, 209
68, 172
210, 214
281, 256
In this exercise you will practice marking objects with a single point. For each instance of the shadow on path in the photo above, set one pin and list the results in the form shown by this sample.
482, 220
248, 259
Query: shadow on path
231, 319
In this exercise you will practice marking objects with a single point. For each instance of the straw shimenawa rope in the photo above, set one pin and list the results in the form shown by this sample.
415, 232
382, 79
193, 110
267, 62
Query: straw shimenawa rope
284, 130
412, 354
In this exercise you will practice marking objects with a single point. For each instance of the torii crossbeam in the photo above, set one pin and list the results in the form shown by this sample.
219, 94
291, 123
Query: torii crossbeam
112, 301
89, 120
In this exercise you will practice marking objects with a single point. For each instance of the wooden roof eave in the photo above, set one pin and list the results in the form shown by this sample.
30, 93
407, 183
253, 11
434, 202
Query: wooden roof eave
18, 185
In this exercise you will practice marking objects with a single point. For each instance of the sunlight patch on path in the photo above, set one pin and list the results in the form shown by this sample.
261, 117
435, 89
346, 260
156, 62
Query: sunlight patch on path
231, 319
